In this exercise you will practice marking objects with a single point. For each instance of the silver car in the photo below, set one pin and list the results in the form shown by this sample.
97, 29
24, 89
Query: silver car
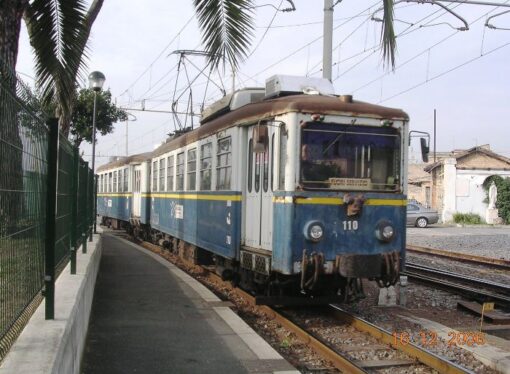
419, 216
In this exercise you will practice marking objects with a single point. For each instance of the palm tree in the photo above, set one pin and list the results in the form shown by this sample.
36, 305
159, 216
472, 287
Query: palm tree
58, 31
227, 30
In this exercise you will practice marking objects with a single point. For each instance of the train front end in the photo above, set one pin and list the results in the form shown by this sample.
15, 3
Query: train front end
342, 215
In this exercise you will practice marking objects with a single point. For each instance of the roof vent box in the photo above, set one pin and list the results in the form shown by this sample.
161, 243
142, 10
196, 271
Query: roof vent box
233, 101
278, 85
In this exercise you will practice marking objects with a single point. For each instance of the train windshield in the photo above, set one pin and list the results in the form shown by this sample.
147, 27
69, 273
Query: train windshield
350, 157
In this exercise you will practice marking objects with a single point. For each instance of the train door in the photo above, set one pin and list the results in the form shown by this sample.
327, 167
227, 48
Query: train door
259, 194
137, 194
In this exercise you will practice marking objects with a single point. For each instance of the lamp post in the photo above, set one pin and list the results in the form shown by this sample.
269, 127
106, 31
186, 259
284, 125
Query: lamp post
96, 80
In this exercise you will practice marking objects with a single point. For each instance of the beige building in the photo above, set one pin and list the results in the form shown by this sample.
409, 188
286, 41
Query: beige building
455, 182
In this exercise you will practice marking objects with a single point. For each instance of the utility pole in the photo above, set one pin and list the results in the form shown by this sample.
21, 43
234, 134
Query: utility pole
434, 135
327, 48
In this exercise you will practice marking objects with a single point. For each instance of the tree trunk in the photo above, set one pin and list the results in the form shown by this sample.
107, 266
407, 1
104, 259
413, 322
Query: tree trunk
11, 146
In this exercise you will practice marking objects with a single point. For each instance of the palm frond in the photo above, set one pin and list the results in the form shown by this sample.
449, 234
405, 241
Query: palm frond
227, 29
59, 31
388, 39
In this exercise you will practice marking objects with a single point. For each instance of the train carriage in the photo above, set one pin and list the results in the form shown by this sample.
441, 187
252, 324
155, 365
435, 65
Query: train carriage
286, 193
118, 197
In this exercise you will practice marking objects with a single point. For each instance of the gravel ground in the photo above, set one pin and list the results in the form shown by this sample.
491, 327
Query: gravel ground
481, 241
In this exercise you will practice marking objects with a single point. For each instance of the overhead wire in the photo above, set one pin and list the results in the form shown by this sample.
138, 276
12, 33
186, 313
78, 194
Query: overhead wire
159, 55
420, 53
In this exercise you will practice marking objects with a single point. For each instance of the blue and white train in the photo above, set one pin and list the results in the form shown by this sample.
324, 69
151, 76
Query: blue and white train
289, 191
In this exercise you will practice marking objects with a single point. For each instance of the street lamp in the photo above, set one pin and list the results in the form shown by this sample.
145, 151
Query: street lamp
96, 80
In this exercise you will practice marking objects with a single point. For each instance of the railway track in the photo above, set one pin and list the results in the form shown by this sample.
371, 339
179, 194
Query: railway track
413, 355
461, 257
475, 288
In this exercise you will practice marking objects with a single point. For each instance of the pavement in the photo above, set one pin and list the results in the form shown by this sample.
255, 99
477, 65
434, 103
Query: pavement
150, 317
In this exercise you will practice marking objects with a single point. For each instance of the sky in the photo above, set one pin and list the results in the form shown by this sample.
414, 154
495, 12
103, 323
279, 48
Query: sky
464, 75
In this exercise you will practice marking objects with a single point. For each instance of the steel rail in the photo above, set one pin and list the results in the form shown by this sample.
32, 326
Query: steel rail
338, 359
457, 276
425, 357
464, 257
475, 293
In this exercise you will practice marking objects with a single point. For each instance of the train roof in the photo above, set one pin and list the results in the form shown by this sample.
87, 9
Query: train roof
121, 161
332, 105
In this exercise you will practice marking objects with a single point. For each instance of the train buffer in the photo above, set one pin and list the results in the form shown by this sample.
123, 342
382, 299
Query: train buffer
148, 316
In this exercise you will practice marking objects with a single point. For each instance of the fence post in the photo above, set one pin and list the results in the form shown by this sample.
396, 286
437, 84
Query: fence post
74, 209
90, 203
51, 196
86, 212
95, 204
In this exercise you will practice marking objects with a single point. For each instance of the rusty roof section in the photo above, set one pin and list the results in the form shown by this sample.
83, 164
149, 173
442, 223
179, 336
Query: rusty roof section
140, 157
330, 105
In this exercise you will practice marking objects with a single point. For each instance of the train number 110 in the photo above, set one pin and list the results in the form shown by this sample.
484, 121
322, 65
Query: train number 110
350, 225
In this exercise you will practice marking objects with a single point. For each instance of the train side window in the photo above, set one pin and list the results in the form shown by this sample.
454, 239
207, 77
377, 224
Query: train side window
170, 173
224, 164
250, 165
258, 158
115, 181
271, 185
100, 183
283, 160
126, 179
266, 169
137, 180
121, 176
180, 172
192, 170
110, 182
162, 174
205, 166
154, 176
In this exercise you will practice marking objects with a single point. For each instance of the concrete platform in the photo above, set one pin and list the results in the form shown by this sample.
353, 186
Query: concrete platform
148, 316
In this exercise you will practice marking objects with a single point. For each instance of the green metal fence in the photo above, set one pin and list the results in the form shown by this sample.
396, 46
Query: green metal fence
46, 200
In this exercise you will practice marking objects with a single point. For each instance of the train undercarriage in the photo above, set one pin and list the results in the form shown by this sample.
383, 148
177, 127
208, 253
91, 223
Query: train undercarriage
252, 272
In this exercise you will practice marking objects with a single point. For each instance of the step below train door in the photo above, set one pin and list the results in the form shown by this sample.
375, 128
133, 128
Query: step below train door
259, 195
137, 195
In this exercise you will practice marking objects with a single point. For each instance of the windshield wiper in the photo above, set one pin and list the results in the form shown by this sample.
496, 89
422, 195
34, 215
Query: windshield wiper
332, 143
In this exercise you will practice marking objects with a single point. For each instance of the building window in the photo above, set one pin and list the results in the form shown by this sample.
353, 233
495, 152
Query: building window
161, 174
126, 179
180, 172
192, 170
205, 166
170, 173
224, 164
154, 176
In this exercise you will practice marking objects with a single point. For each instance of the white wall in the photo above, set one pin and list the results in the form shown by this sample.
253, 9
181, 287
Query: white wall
469, 190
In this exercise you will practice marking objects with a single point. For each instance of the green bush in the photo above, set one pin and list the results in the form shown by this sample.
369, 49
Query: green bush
467, 218
503, 200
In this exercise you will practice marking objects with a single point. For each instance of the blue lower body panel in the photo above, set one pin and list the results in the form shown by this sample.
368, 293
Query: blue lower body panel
342, 235
210, 220
118, 207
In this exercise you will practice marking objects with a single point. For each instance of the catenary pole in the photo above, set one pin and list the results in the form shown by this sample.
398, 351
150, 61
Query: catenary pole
327, 49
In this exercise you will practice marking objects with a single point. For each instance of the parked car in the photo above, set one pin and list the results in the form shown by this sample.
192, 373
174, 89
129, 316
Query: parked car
420, 216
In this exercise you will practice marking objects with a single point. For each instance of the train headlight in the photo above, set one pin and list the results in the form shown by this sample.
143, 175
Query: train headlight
314, 231
385, 232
